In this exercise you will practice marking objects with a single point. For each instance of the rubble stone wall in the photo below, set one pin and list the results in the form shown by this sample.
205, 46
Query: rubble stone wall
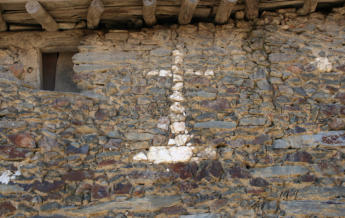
240, 120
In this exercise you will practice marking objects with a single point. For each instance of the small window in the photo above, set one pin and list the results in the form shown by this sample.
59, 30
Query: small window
58, 72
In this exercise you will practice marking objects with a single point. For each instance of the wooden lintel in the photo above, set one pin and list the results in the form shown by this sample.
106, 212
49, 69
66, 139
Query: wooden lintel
35, 9
94, 13
3, 25
149, 12
187, 10
252, 9
309, 6
224, 11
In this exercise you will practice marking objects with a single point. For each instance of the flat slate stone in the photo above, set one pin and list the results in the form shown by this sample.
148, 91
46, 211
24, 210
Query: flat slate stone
9, 189
331, 138
215, 124
202, 215
325, 208
150, 203
279, 171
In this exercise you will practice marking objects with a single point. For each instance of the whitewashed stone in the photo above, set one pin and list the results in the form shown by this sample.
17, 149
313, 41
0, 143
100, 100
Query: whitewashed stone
176, 70
176, 107
165, 73
5, 177
140, 157
178, 127
178, 86
180, 154
323, 64
177, 96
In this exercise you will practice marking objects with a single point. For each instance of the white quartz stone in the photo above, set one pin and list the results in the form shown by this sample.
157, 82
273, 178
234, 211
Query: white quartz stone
198, 73
177, 78
209, 72
177, 53
189, 71
162, 154
140, 157
178, 127
153, 73
165, 73
171, 142
177, 117
176, 107
5, 177
178, 86
323, 64
176, 70
182, 139
178, 60
177, 96
163, 123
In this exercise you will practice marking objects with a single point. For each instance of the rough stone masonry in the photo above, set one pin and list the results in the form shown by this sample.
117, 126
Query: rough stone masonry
239, 120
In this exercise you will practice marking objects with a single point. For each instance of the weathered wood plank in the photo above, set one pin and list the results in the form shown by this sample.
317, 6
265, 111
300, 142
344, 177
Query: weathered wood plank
224, 10
187, 10
252, 9
35, 9
3, 25
309, 6
149, 12
94, 14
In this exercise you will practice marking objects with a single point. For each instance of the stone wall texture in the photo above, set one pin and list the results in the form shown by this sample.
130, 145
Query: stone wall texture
241, 120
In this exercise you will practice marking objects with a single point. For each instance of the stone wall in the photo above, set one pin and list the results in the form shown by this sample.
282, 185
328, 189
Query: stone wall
241, 120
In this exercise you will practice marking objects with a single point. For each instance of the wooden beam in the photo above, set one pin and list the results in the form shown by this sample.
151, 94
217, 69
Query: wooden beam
35, 9
149, 12
224, 10
94, 14
309, 6
3, 25
252, 9
187, 10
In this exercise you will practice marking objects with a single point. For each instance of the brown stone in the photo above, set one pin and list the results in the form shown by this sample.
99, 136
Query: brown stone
337, 124
259, 182
185, 170
99, 192
22, 140
300, 156
46, 187
101, 114
216, 168
217, 105
78, 175
6, 208
173, 210
237, 172
122, 188
17, 70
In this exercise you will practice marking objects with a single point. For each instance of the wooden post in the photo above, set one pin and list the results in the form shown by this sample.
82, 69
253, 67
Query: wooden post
3, 25
252, 9
187, 10
94, 14
35, 9
309, 6
224, 10
149, 12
